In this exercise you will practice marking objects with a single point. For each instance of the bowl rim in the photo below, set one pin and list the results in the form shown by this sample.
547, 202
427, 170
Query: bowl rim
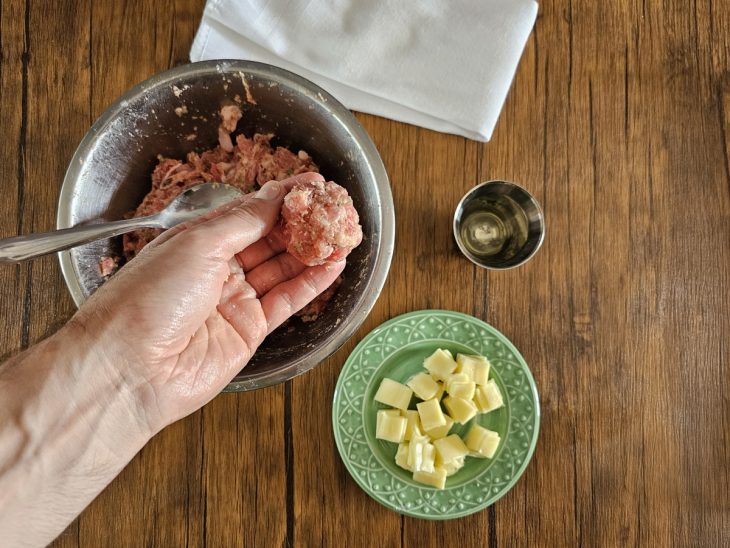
347, 120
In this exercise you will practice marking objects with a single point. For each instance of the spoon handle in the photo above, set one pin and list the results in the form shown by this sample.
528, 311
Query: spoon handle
21, 248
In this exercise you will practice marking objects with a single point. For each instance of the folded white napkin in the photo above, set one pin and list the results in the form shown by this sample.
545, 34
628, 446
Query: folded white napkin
442, 64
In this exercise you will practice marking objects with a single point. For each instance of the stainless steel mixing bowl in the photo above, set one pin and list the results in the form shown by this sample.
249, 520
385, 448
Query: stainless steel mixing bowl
110, 173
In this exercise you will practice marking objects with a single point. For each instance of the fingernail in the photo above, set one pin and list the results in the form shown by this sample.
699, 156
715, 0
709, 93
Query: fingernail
270, 191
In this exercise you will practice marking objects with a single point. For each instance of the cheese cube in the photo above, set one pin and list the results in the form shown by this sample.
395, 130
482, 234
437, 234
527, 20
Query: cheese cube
431, 414
394, 394
482, 442
462, 411
423, 386
389, 427
488, 397
413, 426
417, 453
452, 467
436, 479
463, 390
456, 377
429, 458
401, 457
441, 390
477, 367
441, 431
440, 364
450, 448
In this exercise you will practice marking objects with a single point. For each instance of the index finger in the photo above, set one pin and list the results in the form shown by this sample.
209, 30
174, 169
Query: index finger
288, 184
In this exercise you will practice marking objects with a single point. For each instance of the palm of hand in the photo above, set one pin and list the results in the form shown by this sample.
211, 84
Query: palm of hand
194, 307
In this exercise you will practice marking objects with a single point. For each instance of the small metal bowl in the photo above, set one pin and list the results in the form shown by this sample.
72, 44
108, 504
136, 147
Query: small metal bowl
110, 174
498, 225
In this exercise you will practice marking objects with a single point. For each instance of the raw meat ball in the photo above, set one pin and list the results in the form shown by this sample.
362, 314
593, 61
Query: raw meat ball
320, 223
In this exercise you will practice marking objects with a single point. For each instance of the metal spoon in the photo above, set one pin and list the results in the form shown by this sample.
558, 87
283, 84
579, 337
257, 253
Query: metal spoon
188, 205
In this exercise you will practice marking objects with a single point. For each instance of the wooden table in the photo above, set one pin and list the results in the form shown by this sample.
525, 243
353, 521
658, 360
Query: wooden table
618, 121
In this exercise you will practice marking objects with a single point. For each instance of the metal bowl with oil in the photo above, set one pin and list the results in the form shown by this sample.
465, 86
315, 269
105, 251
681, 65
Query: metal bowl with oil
498, 225
176, 112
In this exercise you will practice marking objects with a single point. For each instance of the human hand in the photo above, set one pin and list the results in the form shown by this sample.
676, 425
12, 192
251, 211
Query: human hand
181, 319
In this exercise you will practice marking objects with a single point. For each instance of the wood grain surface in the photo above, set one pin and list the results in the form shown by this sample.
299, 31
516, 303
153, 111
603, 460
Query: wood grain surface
618, 121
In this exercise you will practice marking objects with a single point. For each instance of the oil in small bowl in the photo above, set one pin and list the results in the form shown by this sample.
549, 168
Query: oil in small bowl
498, 225
494, 226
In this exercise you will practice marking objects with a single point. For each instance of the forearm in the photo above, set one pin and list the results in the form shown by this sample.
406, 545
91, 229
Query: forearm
68, 425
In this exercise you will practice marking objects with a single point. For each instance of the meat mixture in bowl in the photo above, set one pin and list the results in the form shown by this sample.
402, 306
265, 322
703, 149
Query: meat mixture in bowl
319, 220
247, 164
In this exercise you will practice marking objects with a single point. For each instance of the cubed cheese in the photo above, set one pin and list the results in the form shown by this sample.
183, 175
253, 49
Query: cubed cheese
423, 386
394, 394
441, 391
416, 452
455, 378
431, 414
413, 427
429, 457
463, 390
436, 479
401, 457
453, 467
441, 431
450, 448
482, 442
477, 367
488, 397
440, 364
462, 411
390, 427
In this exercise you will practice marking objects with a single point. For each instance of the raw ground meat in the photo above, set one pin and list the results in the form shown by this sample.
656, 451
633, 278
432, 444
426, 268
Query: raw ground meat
312, 311
320, 223
108, 265
247, 164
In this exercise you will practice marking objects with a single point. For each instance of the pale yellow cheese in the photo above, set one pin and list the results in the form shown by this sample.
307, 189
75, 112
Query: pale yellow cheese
429, 457
456, 378
436, 479
418, 454
462, 411
401, 456
425, 447
452, 467
413, 427
463, 390
440, 364
488, 397
423, 386
390, 427
394, 394
441, 391
482, 442
441, 431
431, 414
477, 367
480, 373
450, 448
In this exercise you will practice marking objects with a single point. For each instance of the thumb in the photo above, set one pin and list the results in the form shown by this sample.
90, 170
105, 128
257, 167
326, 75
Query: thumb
229, 233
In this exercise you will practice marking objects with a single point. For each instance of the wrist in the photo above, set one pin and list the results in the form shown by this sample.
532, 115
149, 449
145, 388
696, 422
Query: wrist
68, 425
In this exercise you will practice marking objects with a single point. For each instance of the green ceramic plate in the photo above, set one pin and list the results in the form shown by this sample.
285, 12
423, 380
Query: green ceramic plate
396, 349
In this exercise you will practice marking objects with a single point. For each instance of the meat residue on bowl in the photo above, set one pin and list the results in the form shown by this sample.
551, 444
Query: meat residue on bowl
247, 163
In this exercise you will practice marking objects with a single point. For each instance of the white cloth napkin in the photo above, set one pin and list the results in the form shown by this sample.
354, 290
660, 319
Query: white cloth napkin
442, 64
